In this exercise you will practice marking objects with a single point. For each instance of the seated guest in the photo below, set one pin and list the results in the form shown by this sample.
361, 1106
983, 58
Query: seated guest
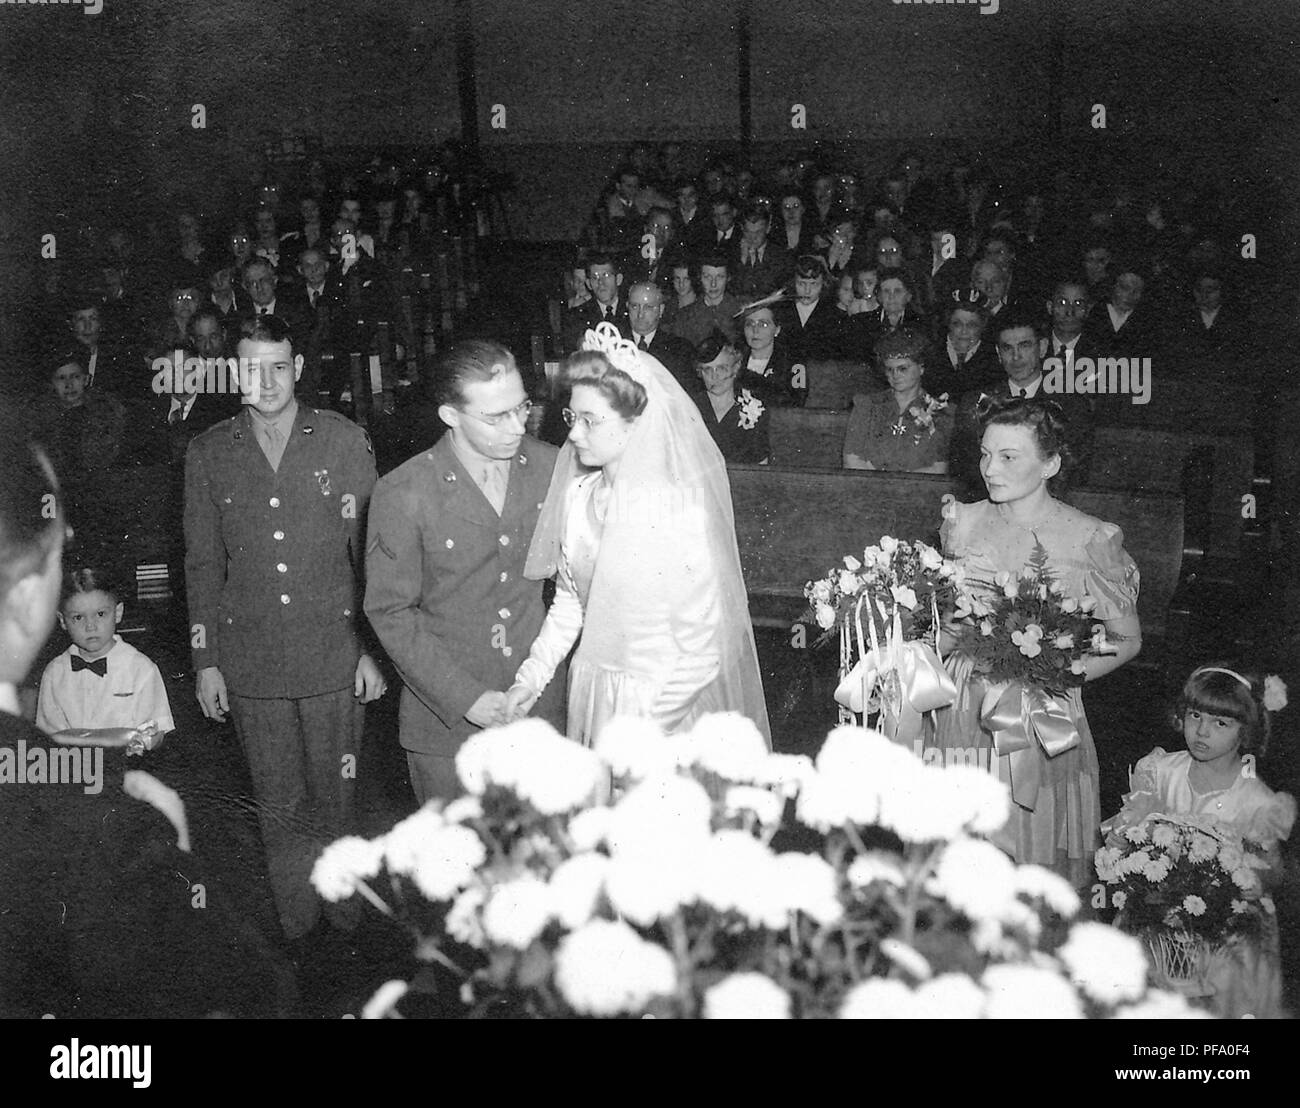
1020, 351
842, 256
794, 234
823, 201
1097, 258
812, 328
763, 266
224, 298
1023, 285
722, 211
182, 302
684, 292
105, 358
887, 250
903, 428
844, 292
82, 429
765, 355
694, 225
1203, 335
946, 272
203, 399
261, 284
310, 230
731, 403
866, 282
715, 310
966, 361
604, 280
896, 293
576, 293
266, 241
350, 209
239, 247
1126, 327
991, 279
663, 252
615, 223
1069, 308
645, 306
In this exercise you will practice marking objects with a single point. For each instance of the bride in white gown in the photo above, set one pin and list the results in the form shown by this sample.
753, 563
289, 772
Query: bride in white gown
639, 532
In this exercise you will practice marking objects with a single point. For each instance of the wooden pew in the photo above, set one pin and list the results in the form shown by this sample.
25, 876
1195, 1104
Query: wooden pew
1191, 404
792, 526
1212, 472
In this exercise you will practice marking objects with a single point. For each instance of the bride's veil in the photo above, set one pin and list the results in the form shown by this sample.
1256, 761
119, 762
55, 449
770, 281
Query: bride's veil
669, 538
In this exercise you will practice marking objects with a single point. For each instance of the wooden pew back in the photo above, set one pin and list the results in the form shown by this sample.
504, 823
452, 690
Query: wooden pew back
832, 384
794, 525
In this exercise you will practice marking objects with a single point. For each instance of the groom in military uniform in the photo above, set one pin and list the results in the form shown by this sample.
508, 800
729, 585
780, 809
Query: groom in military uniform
449, 533
275, 506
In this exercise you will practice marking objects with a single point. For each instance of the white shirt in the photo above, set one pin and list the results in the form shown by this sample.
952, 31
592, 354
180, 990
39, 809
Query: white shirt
1208, 318
647, 338
1028, 390
1117, 318
182, 406
129, 694
1066, 351
268, 309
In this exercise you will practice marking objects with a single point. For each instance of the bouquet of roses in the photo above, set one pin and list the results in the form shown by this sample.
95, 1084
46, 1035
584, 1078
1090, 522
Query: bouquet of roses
1185, 875
548, 893
895, 578
1030, 631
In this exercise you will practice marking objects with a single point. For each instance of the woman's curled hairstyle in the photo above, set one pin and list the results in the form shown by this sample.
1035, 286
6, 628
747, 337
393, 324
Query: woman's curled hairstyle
589, 367
1044, 417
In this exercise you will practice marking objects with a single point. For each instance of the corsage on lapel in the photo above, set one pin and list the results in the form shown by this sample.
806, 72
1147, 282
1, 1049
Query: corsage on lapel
323, 479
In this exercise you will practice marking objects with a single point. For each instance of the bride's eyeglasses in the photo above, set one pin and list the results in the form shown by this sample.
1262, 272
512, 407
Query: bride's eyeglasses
572, 419
496, 418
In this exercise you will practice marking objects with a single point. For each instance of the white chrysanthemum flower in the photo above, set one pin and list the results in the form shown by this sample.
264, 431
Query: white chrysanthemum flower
734, 872
786, 772
879, 998
746, 996
1105, 860
1119, 899
1240, 907
1136, 834
1275, 698
658, 811
632, 746
463, 809
730, 745
650, 885
1106, 964
440, 863
1157, 869
1160, 1005
810, 885
1051, 888
875, 866
1204, 848
1231, 856
978, 801
764, 803
1194, 905
409, 836
1163, 835
576, 887
493, 757
345, 862
517, 912
827, 801
588, 828
977, 879
464, 921
1028, 993
606, 969
561, 776
950, 996
1244, 878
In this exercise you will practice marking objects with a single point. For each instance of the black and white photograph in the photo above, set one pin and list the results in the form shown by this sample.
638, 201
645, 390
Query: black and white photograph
768, 509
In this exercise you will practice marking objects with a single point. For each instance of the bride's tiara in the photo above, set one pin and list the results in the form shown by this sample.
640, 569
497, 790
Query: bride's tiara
622, 353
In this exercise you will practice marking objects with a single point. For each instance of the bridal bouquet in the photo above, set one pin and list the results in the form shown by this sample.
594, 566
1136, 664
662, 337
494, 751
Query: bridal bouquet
1185, 875
897, 591
643, 878
1030, 631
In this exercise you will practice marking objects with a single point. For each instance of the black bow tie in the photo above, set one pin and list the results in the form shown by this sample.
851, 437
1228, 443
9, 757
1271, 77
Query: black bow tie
99, 667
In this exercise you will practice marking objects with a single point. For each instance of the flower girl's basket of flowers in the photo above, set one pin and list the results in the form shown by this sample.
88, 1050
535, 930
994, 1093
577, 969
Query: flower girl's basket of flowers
887, 609
1025, 644
550, 894
1188, 889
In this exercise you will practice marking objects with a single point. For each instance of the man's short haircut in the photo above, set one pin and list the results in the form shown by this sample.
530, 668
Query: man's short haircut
29, 529
252, 263
811, 265
989, 261
627, 169
265, 328
756, 213
68, 357
659, 210
722, 199
604, 257
207, 311
715, 259
1014, 321
1002, 233
83, 294
467, 362
1078, 282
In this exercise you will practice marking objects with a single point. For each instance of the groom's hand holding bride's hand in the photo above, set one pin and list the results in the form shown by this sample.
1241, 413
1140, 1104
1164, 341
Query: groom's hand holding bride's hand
489, 710
519, 702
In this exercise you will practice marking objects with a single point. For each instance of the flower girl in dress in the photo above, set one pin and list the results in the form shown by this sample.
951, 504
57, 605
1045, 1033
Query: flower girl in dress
1224, 716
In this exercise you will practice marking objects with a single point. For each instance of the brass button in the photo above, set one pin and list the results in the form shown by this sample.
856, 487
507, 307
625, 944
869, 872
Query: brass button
450, 544
275, 502
282, 568
506, 651
284, 598
504, 576
505, 540
279, 536
504, 613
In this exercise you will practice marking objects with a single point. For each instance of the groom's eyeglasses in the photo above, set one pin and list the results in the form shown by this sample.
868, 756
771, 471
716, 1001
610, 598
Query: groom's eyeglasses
572, 419
495, 419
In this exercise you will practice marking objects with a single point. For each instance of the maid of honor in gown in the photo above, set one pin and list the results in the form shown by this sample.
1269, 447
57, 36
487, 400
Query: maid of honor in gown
1225, 720
639, 533
1055, 809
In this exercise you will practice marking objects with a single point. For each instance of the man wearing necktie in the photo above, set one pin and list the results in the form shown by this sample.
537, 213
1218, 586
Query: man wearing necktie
449, 534
275, 505
645, 305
